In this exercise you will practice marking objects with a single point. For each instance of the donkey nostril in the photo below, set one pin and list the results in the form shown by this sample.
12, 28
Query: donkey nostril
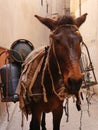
71, 81
80, 81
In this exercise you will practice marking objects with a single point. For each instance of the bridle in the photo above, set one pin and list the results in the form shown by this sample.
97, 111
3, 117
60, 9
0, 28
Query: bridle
64, 26
62, 92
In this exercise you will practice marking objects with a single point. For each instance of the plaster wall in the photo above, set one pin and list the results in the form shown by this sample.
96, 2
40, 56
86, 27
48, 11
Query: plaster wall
89, 29
17, 21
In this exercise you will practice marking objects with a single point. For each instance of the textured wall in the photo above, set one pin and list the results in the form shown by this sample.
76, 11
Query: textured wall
17, 21
89, 29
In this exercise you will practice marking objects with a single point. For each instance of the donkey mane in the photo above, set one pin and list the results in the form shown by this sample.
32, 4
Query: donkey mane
63, 20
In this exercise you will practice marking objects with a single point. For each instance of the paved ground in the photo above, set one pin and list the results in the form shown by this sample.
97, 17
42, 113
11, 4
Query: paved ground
89, 118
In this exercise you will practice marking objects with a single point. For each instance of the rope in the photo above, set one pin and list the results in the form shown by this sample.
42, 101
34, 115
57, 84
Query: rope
43, 75
59, 94
53, 86
7, 78
13, 57
66, 108
34, 77
22, 121
61, 91
2, 52
60, 73
88, 98
80, 128
50, 71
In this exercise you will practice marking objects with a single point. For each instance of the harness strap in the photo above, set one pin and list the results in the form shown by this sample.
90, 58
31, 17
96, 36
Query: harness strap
60, 73
61, 91
43, 75
34, 77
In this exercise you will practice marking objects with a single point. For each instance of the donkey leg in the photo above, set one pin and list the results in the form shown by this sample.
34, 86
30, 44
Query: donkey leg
31, 124
57, 115
35, 121
43, 123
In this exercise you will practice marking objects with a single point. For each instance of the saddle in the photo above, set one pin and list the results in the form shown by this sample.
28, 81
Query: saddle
30, 69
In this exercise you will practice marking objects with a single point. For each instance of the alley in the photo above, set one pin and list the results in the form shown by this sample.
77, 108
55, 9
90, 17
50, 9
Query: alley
38, 23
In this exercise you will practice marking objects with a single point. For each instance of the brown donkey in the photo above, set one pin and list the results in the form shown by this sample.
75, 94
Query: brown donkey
60, 75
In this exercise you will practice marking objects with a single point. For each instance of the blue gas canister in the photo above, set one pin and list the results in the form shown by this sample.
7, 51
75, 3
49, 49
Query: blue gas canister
10, 74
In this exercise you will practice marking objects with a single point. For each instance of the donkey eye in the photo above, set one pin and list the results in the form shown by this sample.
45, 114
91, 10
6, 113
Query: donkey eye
57, 41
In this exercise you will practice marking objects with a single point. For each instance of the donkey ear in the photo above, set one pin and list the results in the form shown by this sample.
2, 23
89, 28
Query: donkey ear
50, 23
80, 20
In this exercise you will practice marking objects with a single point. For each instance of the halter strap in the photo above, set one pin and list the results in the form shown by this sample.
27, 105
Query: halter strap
61, 93
64, 26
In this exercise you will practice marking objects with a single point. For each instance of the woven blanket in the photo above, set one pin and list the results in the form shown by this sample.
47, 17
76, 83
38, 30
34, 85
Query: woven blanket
31, 68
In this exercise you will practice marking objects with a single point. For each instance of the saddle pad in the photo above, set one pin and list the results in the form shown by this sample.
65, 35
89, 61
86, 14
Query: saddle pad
31, 67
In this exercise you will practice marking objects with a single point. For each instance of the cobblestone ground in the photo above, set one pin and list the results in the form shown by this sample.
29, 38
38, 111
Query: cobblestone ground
89, 120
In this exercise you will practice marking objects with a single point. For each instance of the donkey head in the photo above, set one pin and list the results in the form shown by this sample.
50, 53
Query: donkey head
67, 40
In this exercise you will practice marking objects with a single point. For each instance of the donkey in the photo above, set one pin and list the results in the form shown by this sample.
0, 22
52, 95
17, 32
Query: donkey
60, 75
